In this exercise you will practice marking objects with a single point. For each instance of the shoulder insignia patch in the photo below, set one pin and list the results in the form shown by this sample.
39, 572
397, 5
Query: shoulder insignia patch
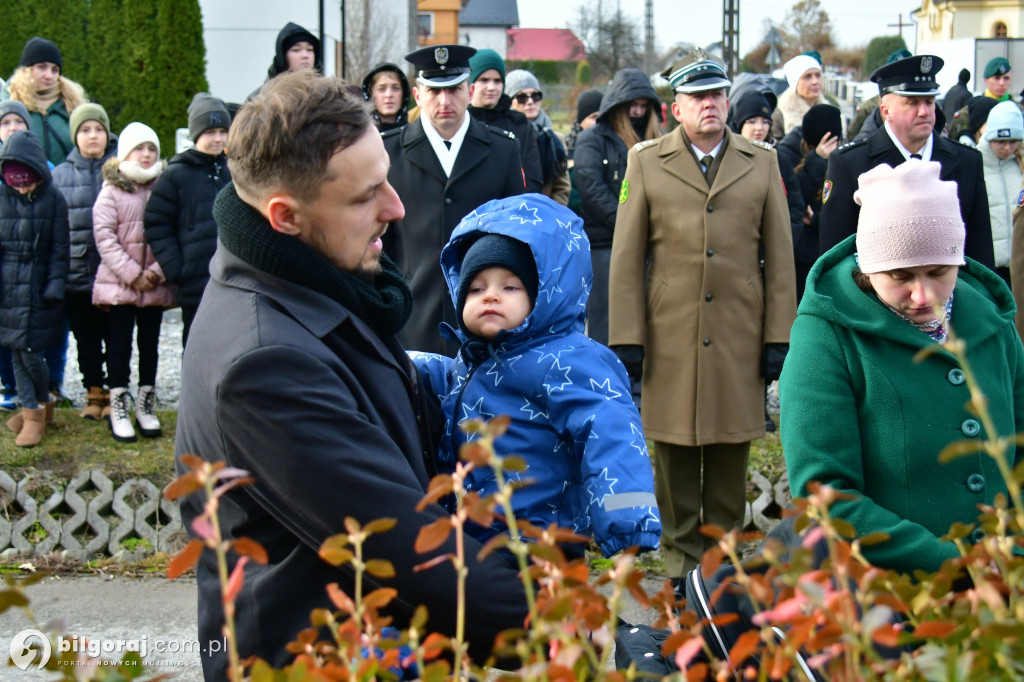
1020, 199
644, 144
391, 133
762, 144
850, 144
624, 192
826, 191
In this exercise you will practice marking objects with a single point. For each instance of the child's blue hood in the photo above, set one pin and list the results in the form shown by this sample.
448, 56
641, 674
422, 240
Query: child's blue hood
560, 247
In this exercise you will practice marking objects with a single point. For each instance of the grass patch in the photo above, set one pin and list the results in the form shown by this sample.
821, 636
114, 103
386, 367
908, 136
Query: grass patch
73, 444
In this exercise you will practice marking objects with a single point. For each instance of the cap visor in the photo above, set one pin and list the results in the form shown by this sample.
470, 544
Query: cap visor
432, 79
704, 84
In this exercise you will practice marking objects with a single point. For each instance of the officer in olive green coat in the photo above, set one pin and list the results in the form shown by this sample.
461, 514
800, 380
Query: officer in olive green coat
706, 326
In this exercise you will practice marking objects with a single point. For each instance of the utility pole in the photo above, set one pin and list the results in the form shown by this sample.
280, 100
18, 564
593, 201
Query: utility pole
649, 37
731, 36
900, 25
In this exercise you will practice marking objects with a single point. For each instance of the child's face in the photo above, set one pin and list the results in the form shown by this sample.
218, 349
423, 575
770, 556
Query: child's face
496, 301
91, 139
145, 154
212, 141
9, 124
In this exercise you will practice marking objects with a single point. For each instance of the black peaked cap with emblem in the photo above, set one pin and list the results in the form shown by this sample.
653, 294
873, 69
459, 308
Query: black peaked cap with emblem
910, 77
441, 66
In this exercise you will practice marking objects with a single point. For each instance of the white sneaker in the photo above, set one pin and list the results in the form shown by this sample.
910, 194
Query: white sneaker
121, 416
145, 413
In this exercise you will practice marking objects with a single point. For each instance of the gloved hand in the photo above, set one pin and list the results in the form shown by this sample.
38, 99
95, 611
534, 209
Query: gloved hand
632, 356
772, 358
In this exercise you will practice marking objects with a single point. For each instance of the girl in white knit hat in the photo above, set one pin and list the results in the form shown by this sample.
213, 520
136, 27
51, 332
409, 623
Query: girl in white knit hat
858, 413
129, 280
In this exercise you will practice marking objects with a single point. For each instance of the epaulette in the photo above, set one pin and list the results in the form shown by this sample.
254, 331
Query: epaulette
645, 144
501, 131
850, 144
762, 144
391, 133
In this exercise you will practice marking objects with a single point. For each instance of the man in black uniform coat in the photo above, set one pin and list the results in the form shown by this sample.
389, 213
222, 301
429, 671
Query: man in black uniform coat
443, 165
907, 88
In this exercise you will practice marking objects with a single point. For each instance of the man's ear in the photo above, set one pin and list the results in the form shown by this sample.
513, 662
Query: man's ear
283, 214
416, 94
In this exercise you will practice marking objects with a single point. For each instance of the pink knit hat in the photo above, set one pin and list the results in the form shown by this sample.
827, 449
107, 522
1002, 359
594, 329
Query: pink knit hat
908, 217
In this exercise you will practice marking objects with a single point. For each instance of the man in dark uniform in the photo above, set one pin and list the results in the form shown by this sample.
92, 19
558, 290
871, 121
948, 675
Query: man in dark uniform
489, 104
443, 165
907, 88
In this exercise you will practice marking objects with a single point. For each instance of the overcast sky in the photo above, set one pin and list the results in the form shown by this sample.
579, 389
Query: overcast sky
854, 22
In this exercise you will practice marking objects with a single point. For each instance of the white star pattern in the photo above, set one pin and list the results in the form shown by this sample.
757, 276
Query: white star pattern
649, 519
601, 486
500, 371
545, 353
550, 291
475, 411
528, 407
523, 218
638, 441
556, 385
571, 238
605, 387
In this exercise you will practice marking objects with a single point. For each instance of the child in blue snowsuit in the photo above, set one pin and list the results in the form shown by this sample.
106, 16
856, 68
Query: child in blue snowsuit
518, 270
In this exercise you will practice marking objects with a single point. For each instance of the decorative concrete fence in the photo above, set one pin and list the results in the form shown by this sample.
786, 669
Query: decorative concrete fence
87, 517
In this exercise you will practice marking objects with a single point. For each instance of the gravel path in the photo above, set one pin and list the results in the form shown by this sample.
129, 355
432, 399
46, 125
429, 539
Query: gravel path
168, 373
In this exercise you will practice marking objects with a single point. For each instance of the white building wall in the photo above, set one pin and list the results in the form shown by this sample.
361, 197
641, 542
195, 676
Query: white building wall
240, 37
481, 37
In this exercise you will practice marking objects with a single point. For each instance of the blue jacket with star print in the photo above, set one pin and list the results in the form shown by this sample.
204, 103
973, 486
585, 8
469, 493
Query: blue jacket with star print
573, 420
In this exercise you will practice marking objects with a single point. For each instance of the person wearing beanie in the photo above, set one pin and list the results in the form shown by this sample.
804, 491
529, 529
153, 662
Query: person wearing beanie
956, 97
489, 104
79, 179
178, 221
630, 113
502, 264
524, 89
13, 116
1004, 176
445, 163
998, 77
587, 106
34, 252
49, 96
864, 411
387, 88
129, 280
295, 49
978, 110
803, 73
907, 89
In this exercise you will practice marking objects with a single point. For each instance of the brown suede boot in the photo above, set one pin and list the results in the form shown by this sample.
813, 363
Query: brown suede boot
33, 428
16, 423
95, 400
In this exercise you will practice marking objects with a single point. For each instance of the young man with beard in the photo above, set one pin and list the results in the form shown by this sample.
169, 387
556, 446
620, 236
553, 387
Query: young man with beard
294, 372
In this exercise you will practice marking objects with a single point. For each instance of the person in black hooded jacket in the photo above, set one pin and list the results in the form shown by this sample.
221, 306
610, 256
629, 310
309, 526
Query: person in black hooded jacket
629, 114
33, 270
79, 180
295, 49
390, 109
179, 222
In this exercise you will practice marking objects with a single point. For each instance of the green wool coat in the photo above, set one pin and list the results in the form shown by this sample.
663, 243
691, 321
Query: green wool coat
861, 416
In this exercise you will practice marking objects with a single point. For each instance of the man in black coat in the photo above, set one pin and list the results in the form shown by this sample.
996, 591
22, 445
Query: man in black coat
443, 165
907, 88
294, 373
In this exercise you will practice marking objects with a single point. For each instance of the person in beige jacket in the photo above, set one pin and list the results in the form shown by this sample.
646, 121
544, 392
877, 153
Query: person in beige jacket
707, 325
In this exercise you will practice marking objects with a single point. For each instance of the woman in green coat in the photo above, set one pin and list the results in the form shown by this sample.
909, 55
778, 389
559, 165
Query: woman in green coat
858, 413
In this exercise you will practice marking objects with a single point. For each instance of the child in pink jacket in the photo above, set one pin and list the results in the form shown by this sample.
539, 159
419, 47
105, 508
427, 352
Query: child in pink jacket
129, 280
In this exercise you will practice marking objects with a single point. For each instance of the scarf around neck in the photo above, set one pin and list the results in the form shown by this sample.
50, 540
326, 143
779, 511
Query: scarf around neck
383, 303
936, 329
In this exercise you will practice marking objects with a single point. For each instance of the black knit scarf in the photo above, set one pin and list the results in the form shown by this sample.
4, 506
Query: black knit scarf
383, 303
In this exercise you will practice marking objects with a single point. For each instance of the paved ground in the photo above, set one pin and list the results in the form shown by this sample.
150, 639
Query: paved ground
155, 611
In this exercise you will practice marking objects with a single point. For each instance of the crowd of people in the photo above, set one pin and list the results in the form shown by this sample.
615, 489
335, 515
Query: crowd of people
408, 254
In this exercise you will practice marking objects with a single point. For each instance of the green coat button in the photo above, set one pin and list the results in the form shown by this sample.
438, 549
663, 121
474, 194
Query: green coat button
976, 535
956, 376
975, 483
970, 428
